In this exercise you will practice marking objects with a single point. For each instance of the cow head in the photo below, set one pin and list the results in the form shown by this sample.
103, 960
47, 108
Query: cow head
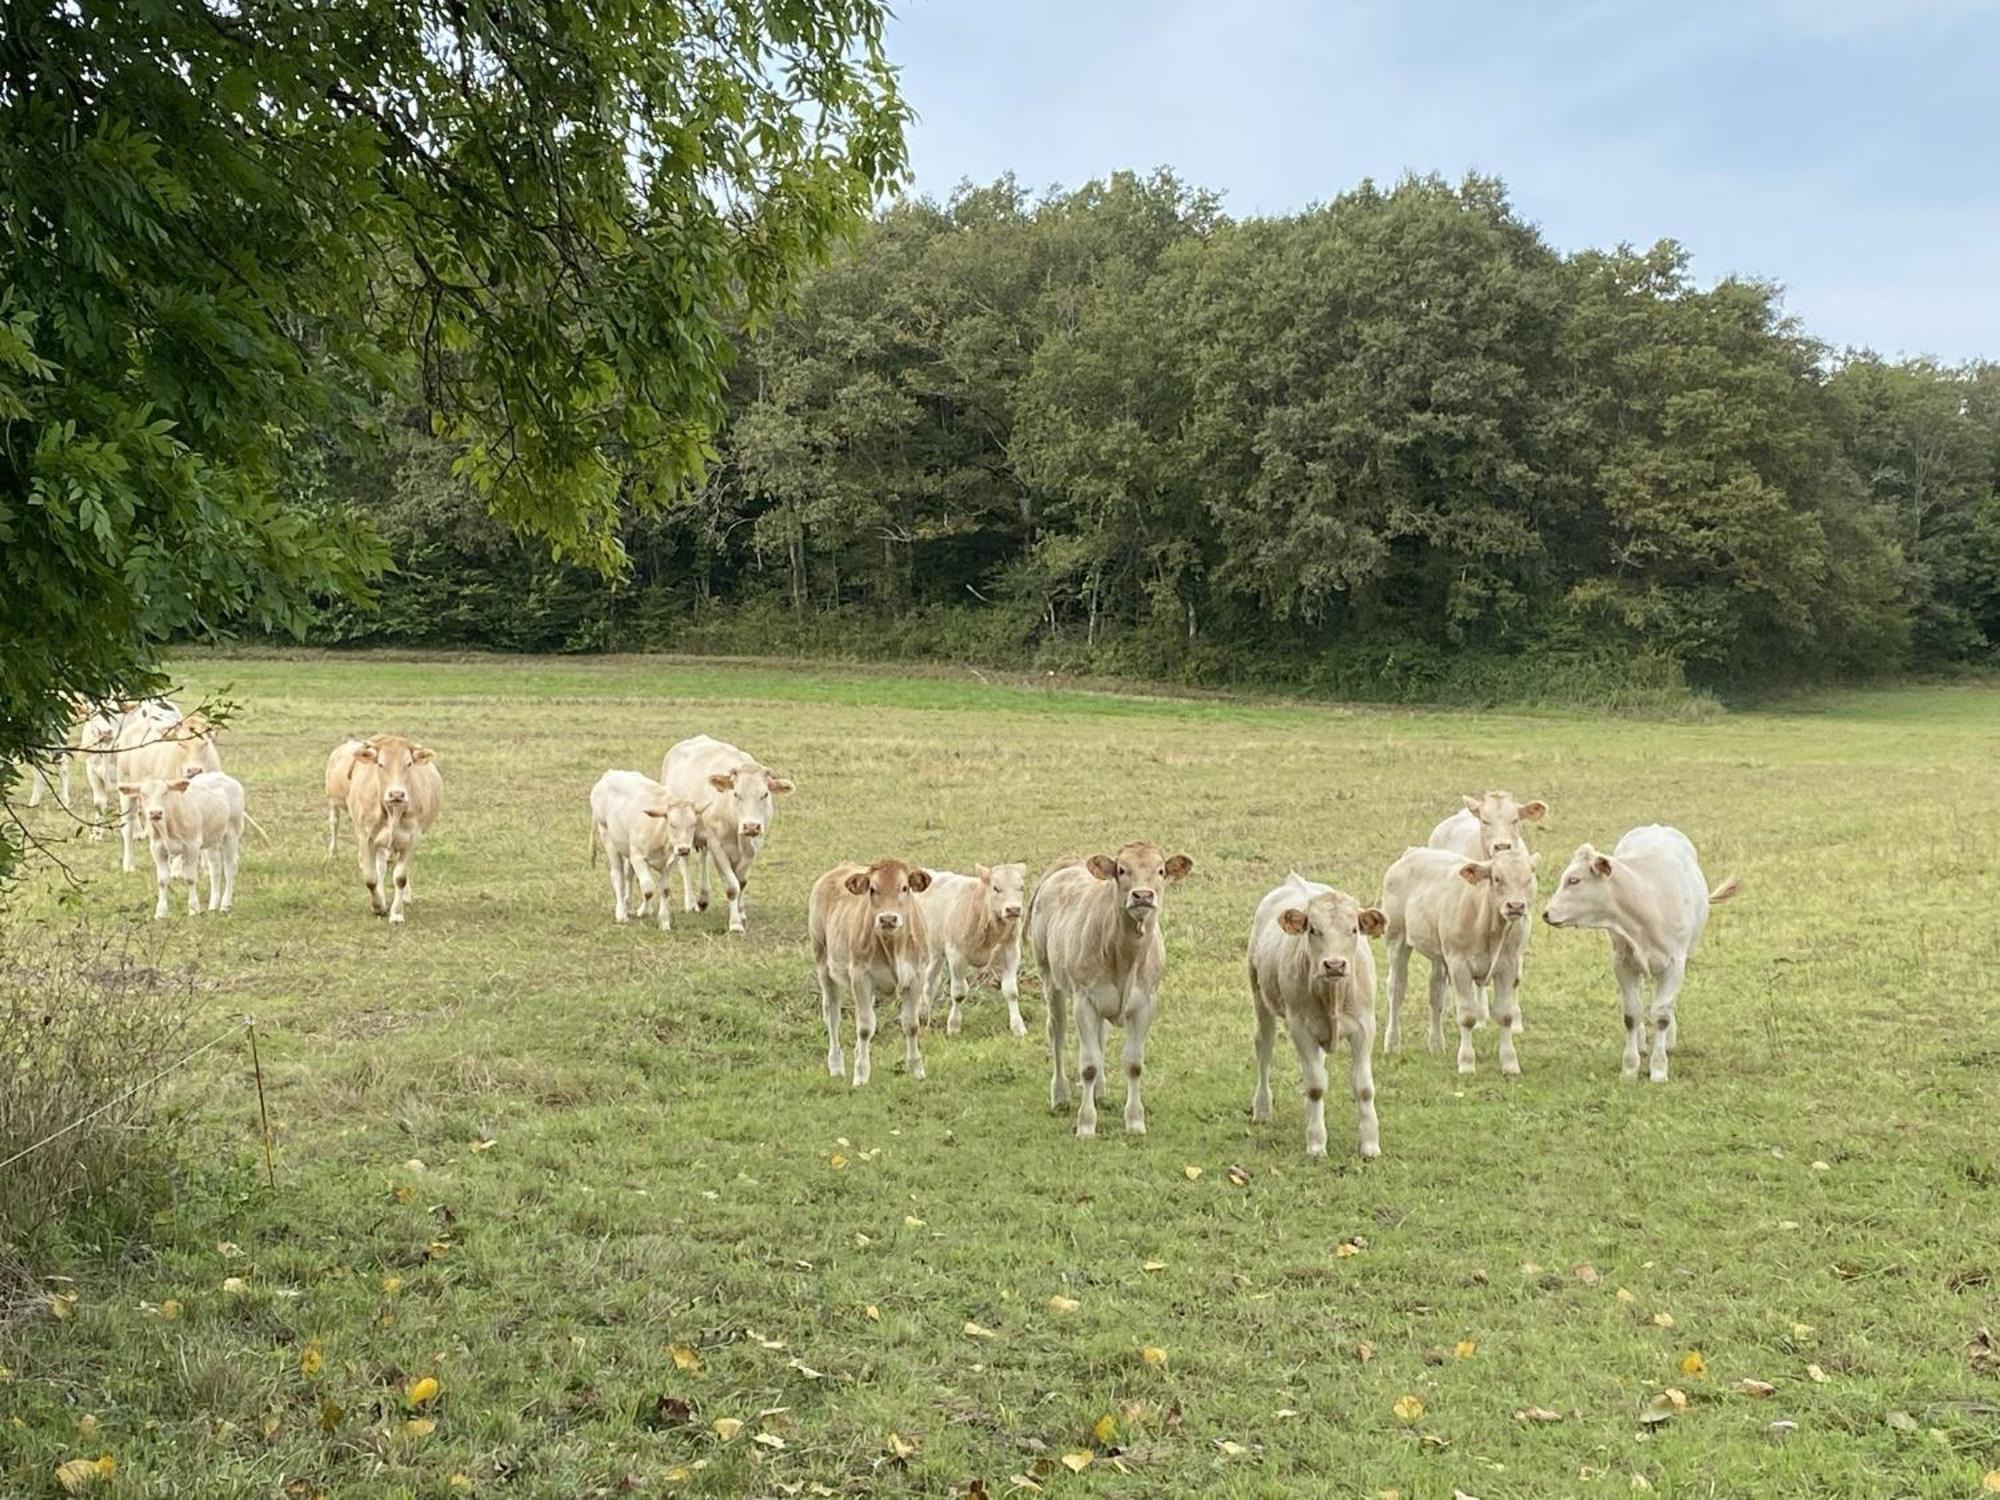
746, 794
152, 795
1583, 895
395, 757
1002, 887
1141, 873
1336, 928
683, 820
1511, 873
1500, 818
890, 887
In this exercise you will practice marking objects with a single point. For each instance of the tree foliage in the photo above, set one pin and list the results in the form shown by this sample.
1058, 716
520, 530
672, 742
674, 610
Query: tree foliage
232, 235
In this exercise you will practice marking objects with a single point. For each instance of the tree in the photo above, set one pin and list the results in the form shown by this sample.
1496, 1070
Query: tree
226, 229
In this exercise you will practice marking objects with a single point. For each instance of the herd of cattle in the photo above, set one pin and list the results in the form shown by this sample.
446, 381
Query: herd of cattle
1093, 924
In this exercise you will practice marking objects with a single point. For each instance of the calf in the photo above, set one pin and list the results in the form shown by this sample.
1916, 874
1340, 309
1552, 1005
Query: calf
1094, 926
643, 832
97, 743
973, 922
738, 794
1470, 919
151, 746
1650, 896
393, 794
1486, 825
192, 820
1311, 966
867, 931
339, 767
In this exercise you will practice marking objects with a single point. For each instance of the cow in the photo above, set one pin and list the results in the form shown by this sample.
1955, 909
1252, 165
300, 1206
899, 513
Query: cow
152, 745
643, 832
973, 923
339, 766
1311, 966
738, 792
1469, 917
1650, 896
78, 715
192, 820
393, 794
867, 932
97, 743
1094, 926
1482, 828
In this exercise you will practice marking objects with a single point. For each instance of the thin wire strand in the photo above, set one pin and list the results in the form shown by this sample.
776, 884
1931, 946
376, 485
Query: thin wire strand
113, 1103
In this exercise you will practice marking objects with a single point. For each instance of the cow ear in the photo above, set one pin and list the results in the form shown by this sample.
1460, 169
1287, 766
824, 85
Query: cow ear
658, 812
128, 789
1292, 920
1473, 871
178, 786
423, 755
1371, 921
1179, 867
982, 874
723, 781
857, 883
1534, 812
366, 752
781, 784
1103, 866
1600, 865
920, 880
1473, 804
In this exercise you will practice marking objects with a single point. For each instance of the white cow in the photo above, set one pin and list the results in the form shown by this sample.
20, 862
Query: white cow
738, 792
192, 820
973, 923
1311, 966
644, 832
1470, 919
1486, 825
156, 742
1649, 894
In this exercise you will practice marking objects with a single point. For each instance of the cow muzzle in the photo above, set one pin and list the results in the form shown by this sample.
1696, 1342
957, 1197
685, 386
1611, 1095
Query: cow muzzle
1333, 968
752, 830
1143, 899
1010, 913
888, 921
1513, 911
682, 851
396, 796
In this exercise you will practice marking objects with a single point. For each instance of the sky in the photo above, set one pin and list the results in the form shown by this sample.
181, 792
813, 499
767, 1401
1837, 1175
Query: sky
1846, 149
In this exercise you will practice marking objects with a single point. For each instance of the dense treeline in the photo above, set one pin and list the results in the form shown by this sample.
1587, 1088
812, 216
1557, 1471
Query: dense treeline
1393, 445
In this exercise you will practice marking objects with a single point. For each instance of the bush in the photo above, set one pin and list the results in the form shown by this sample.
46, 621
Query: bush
86, 1024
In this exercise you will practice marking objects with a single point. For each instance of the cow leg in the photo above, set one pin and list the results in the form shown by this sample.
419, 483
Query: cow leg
911, 994
1262, 1038
1312, 1071
38, 781
190, 866
1506, 1016
654, 883
1056, 1023
707, 857
232, 853
687, 864
933, 962
1010, 988
1138, 1020
955, 968
163, 880
1399, 983
615, 864
829, 1004
1435, 1041
863, 985
1466, 990
402, 881
213, 859
1631, 979
1359, 1029
1089, 1062
332, 828
732, 887
126, 808
1665, 992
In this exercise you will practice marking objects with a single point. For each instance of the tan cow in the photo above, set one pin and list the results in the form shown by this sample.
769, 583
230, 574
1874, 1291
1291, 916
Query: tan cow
644, 832
1470, 919
738, 792
339, 766
867, 933
150, 746
393, 795
1094, 926
191, 821
973, 923
1311, 966
1486, 825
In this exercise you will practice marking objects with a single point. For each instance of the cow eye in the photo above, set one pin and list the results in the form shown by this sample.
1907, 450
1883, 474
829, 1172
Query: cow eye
1573, 880
1121, 872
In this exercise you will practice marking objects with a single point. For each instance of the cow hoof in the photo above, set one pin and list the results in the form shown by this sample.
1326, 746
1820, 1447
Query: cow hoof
951, 1025
1086, 1132
1510, 1070
1019, 1028
918, 1071
701, 903
738, 928
1135, 1129
1370, 1151
1316, 1153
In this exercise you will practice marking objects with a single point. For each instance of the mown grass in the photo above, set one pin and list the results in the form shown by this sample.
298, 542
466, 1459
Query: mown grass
1818, 1187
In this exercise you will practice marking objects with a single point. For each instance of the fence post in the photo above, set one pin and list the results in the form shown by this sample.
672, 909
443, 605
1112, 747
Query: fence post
263, 1115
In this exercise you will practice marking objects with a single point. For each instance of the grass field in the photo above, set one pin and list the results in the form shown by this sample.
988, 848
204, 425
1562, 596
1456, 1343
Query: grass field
863, 1279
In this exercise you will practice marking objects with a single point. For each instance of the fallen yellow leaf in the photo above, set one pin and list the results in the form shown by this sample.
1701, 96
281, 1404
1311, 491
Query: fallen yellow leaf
1991, 1483
310, 1360
62, 1304
424, 1391
1693, 1365
726, 1428
1625, 1296
1018, 1481
1230, 1449
392, 1284
1346, 1248
911, 1221
420, 1427
902, 1447
1587, 1274
977, 1330
1537, 1414
86, 1424
1676, 1398
1077, 1462
1409, 1408
1190, 1173
1758, 1388
1154, 1355
1819, 1376
872, 1313
1663, 1320
78, 1474
684, 1357
1365, 1350
1464, 1349
1063, 1304
461, 1480
837, 1162
235, 1286
769, 1440
1154, 1265
1105, 1428
330, 1413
